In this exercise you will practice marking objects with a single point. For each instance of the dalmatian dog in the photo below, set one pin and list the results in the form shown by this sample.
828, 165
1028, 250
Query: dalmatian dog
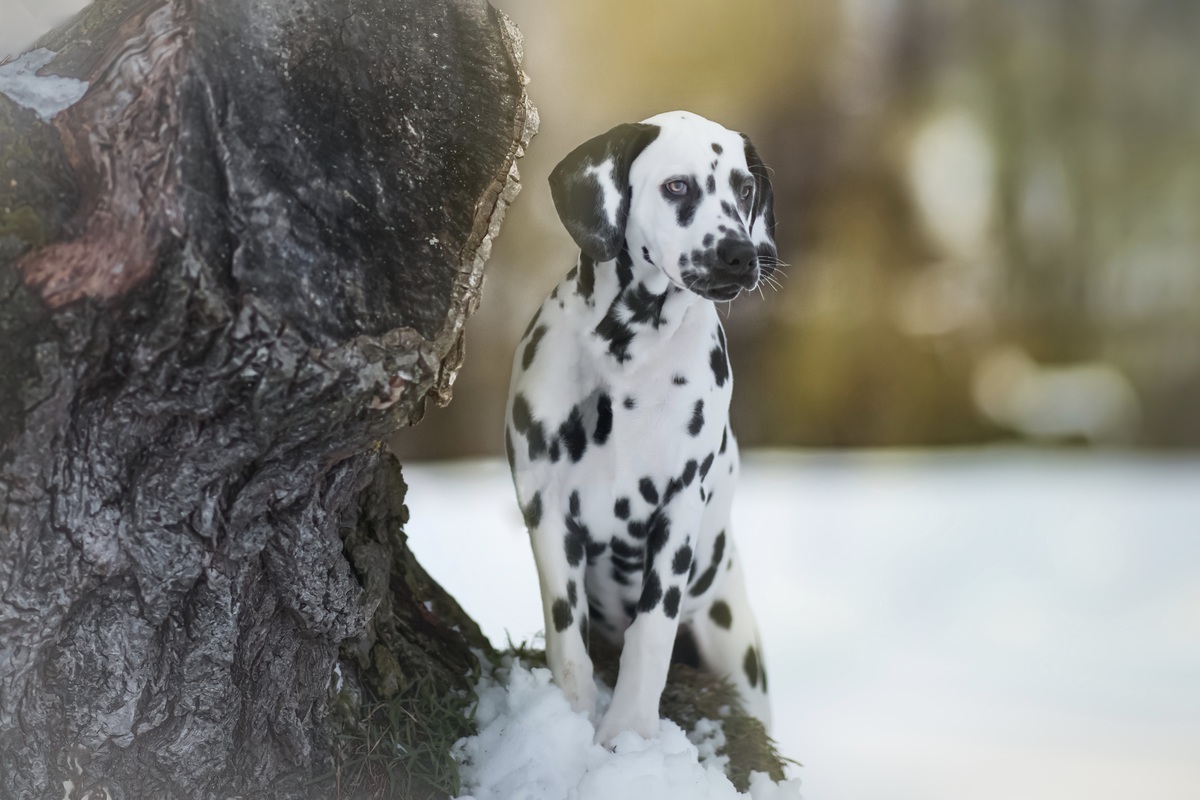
617, 418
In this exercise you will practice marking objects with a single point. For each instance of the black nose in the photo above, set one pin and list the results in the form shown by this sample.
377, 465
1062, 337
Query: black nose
736, 254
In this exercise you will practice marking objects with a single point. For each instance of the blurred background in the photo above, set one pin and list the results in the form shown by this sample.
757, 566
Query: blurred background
970, 508
991, 211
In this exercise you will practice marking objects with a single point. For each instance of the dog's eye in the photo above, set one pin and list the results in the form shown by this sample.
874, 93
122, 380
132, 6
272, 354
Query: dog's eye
677, 187
745, 191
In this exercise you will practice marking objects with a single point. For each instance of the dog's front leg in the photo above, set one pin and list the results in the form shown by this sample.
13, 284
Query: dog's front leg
559, 550
646, 652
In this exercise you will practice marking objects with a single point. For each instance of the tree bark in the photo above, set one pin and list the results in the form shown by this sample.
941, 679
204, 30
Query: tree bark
227, 273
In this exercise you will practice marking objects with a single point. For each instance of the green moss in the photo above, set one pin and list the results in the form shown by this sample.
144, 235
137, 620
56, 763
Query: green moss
399, 748
23, 223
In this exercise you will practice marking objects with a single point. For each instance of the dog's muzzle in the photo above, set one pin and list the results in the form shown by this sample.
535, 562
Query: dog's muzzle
736, 268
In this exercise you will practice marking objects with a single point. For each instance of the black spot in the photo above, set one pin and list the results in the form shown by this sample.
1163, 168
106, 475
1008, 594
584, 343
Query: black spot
624, 567
683, 259
595, 613
572, 595
555, 451
630, 609
595, 550
616, 333
704, 258
584, 626
573, 504
671, 602
620, 578
604, 419
508, 448
718, 149
636, 529
533, 511
644, 306
689, 472
721, 615
621, 508
739, 181
720, 365
571, 275
719, 548
651, 592
697, 422
685, 204
575, 541
532, 322
574, 437
762, 673
537, 441
563, 616
587, 276
674, 487
624, 267
683, 560
724, 440
658, 531
630, 403
678, 380
623, 549
706, 465
523, 421
707, 577
730, 209
649, 493
708, 240
531, 348
521, 416
750, 665
711, 185
646, 255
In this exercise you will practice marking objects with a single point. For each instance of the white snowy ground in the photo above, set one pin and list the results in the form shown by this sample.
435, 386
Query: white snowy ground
975, 625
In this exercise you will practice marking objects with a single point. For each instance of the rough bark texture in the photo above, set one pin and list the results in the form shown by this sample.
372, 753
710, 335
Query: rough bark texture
231, 269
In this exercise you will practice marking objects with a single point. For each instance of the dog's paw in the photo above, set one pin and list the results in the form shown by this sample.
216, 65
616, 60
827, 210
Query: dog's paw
582, 697
618, 721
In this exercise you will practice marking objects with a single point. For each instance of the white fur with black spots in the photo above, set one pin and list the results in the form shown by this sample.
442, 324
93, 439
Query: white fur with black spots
617, 419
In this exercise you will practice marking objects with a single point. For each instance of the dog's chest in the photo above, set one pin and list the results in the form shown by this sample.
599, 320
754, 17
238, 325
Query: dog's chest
658, 447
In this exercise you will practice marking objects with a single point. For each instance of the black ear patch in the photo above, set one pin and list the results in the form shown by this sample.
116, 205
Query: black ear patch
582, 184
764, 195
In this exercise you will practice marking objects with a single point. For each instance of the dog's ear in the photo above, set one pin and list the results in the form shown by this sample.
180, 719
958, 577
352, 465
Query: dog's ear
764, 196
591, 188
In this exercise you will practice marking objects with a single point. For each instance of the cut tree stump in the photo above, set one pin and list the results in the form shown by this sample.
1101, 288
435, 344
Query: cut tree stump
240, 261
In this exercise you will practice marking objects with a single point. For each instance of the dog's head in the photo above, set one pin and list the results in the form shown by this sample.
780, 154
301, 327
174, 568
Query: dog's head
684, 194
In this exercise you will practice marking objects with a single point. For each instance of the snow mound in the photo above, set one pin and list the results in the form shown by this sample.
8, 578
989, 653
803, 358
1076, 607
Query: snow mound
532, 746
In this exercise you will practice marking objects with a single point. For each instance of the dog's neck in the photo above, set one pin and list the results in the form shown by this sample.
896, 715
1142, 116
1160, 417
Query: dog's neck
630, 301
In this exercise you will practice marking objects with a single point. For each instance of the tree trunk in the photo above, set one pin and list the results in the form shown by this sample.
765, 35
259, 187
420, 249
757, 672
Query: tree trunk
238, 263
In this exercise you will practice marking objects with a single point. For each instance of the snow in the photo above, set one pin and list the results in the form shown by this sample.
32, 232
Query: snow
46, 95
971, 625
532, 746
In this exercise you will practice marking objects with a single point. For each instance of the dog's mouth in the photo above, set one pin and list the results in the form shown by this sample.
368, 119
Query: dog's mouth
721, 289
721, 294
